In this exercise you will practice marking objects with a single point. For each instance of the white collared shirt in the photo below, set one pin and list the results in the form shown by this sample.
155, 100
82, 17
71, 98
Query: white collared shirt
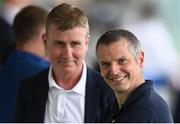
66, 106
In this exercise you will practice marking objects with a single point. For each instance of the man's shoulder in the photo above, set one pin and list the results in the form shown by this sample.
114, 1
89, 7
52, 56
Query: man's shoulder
94, 74
36, 79
94, 79
147, 99
156, 107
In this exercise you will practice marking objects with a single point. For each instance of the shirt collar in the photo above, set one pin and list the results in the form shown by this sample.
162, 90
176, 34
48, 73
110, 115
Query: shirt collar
139, 93
78, 88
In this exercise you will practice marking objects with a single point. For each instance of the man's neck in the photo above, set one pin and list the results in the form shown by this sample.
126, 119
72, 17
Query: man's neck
32, 47
121, 98
68, 80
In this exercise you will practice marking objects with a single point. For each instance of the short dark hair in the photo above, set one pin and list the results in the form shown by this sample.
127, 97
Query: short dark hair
114, 35
28, 21
66, 16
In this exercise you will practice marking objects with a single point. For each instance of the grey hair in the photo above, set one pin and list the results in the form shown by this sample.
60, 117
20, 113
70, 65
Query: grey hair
114, 35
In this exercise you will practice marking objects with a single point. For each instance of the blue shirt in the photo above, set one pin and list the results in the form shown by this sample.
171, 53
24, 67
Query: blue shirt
144, 105
19, 64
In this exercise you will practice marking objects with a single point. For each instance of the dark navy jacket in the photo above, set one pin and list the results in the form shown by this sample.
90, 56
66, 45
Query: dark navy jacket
33, 95
7, 39
143, 106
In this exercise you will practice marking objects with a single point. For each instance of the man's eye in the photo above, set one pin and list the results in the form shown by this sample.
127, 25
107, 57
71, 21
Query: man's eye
58, 44
75, 44
122, 61
105, 65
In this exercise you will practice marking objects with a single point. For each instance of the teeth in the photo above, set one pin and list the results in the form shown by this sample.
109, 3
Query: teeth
118, 78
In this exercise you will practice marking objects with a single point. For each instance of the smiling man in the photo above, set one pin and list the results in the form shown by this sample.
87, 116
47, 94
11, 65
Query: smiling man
121, 61
69, 91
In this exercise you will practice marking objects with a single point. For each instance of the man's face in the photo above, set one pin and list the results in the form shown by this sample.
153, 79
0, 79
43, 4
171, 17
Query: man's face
119, 67
67, 49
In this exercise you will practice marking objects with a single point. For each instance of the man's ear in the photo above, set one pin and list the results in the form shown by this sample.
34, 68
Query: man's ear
87, 39
44, 38
141, 59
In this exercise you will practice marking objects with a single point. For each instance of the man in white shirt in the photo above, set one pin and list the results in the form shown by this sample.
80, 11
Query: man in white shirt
72, 93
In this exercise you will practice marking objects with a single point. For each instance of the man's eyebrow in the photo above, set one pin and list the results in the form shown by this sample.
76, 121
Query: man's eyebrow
58, 41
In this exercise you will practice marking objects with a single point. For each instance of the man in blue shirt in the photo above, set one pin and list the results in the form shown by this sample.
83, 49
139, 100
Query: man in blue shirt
121, 61
27, 59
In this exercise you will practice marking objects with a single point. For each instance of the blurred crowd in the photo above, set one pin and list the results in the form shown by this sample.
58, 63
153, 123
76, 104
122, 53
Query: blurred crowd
154, 22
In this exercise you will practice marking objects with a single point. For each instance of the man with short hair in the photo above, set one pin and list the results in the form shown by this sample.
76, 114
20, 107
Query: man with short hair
69, 91
121, 61
27, 58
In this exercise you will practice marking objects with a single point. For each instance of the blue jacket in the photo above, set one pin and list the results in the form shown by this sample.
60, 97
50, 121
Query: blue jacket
17, 66
144, 105
33, 95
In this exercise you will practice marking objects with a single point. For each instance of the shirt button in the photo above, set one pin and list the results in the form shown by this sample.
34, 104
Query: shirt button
113, 120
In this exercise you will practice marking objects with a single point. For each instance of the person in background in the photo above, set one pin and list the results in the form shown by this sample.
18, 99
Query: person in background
27, 59
69, 91
121, 61
8, 10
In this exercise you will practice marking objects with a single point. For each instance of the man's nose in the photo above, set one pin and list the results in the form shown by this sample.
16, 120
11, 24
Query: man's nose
67, 51
114, 68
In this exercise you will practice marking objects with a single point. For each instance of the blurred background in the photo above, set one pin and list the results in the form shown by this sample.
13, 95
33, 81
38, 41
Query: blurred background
156, 23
